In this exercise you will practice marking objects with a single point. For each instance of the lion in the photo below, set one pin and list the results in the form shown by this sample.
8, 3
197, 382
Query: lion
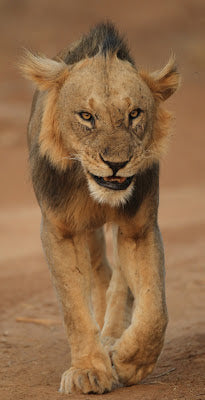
96, 135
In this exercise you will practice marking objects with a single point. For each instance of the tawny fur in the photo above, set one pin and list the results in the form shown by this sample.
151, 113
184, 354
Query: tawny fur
81, 122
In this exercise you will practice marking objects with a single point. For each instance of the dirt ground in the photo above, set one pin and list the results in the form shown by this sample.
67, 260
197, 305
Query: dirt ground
33, 357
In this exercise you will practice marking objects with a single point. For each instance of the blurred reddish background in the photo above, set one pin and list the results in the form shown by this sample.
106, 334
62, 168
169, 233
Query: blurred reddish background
153, 29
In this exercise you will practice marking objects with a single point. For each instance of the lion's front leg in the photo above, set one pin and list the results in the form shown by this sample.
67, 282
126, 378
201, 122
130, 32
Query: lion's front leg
69, 261
142, 261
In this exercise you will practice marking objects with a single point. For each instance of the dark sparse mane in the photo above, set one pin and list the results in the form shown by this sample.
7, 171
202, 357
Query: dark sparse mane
103, 38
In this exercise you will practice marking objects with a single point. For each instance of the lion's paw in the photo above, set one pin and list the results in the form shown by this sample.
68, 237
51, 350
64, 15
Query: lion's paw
130, 373
87, 381
134, 363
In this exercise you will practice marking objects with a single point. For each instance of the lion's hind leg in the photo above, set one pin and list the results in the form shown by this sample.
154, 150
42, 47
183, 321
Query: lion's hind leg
101, 274
119, 301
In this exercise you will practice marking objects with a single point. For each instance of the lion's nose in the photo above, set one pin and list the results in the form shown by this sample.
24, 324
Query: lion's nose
115, 166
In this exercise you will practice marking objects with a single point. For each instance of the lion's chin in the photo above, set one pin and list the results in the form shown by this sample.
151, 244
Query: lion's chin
113, 193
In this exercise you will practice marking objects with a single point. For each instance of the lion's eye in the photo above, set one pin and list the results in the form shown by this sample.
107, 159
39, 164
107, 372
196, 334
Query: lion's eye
135, 113
86, 116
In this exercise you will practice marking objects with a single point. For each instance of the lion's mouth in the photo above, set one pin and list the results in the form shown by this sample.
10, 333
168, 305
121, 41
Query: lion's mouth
113, 182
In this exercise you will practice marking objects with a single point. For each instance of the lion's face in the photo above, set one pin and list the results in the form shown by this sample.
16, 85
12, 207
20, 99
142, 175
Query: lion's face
105, 113
106, 116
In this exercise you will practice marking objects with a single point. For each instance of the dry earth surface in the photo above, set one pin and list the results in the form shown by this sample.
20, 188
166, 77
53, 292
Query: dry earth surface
33, 357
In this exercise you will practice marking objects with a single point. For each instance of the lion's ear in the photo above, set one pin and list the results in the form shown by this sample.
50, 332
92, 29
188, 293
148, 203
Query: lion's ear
45, 72
165, 82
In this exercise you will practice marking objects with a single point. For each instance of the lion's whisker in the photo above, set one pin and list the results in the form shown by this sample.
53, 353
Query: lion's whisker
75, 158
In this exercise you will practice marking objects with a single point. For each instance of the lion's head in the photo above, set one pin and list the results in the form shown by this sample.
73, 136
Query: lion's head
105, 114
